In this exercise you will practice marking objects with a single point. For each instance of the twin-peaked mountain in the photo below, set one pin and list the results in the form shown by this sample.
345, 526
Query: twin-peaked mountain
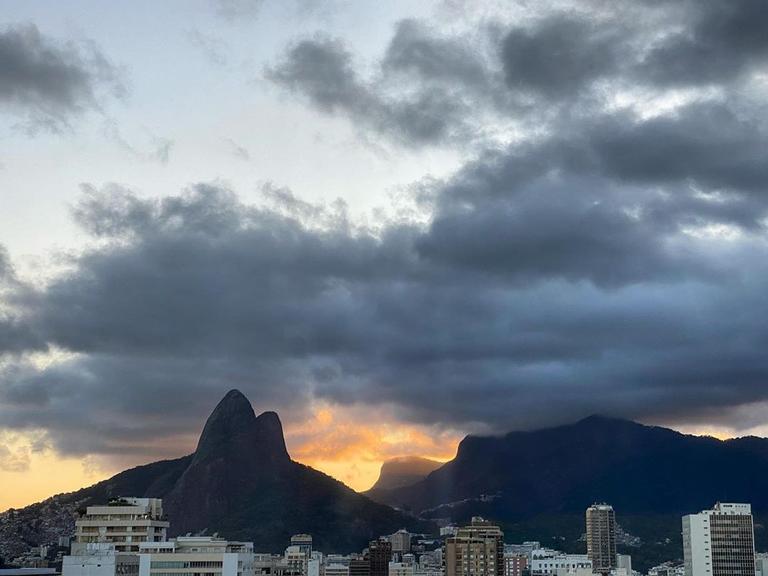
239, 482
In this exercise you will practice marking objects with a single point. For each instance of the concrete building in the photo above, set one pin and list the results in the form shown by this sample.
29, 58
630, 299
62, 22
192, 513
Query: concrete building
761, 564
304, 542
601, 537
379, 556
335, 570
719, 542
515, 564
623, 565
401, 541
476, 550
297, 561
100, 559
526, 548
667, 569
400, 569
545, 562
197, 556
360, 567
125, 523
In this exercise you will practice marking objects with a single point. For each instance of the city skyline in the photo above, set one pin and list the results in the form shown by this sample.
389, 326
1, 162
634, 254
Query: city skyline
395, 224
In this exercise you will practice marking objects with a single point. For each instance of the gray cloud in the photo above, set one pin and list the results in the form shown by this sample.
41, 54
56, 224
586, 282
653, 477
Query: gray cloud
321, 70
417, 49
557, 298
612, 260
47, 83
237, 9
721, 40
560, 55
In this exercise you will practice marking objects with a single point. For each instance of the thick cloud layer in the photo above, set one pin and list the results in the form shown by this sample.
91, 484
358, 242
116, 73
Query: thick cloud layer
605, 254
46, 83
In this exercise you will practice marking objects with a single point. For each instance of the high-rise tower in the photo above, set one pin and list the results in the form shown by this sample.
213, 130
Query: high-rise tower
601, 538
719, 542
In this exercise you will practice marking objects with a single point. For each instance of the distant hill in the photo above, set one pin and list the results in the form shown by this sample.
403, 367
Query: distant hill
239, 482
538, 483
637, 468
403, 471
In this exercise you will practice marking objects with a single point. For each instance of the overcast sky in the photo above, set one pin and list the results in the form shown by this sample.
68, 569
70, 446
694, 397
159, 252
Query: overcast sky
392, 222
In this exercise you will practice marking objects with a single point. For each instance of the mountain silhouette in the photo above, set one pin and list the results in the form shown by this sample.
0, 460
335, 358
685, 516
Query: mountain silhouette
239, 482
403, 471
639, 469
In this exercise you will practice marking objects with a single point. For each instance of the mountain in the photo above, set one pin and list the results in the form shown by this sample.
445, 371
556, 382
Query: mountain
538, 483
637, 468
239, 482
403, 471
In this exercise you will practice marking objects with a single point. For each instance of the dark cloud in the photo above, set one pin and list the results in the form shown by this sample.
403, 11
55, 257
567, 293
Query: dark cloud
556, 298
540, 73
611, 259
721, 40
47, 83
321, 70
417, 49
560, 55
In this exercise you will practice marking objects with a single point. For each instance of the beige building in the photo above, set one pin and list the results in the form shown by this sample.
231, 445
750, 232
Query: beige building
601, 538
476, 550
124, 523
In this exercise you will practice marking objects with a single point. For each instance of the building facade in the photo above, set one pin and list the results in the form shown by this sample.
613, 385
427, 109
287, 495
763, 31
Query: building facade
515, 564
547, 562
401, 541
601, 537
196, 556
100, 559
125, 523
476, 550
720, 542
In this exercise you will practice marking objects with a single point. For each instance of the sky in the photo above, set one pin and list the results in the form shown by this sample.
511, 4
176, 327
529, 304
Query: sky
394, 223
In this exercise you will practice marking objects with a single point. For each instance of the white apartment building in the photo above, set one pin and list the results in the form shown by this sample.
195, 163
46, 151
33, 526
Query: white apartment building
545, 562
761, 564
124, 523
100, 559
668, 569
196, 556
334, 569
719, 542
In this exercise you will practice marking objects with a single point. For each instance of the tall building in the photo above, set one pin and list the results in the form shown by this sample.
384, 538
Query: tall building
476, 550
379, 557
719, 542
515, 564
601, 538
359, 567
297, 561
304, 542
401, 541
124, 522
198, 555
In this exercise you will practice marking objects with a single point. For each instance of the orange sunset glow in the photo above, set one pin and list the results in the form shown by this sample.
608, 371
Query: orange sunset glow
334, 440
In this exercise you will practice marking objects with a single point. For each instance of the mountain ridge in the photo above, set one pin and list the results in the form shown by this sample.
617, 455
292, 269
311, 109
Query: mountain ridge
239, 482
